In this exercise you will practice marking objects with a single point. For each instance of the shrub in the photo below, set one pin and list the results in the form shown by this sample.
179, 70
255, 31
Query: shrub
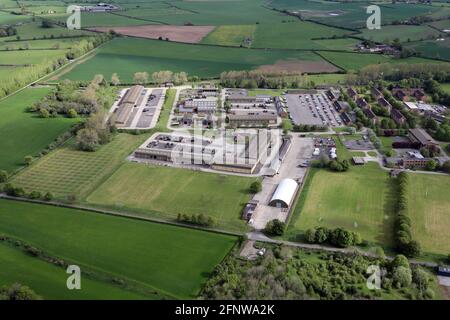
48, 196
256, 187
399, 261
3, 176
28, 160
35, 195
402, 277
275, 227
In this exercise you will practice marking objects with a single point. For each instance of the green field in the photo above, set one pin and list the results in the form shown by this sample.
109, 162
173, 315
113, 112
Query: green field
293, 35
49, 281
165, 192
29, 56
230, 35
67, 171
404, 33
433, 48
356, 200
352, 14
24, 133
173, 261
126, 56
429, 210
356, 61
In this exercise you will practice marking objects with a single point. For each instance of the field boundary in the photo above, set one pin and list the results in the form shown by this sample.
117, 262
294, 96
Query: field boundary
123, 214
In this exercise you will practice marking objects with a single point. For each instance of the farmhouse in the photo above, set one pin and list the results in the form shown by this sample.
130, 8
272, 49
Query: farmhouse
422, 137
284, 194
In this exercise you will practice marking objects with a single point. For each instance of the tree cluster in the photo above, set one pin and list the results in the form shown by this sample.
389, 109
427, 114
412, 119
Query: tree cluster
338, 237
275, 227
259, 79
200, 219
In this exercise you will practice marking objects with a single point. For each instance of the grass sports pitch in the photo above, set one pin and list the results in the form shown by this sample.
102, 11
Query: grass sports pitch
165, 192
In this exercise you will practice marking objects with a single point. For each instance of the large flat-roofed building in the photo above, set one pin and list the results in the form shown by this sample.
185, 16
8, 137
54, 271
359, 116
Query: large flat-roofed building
208, 104
422, 137
252, 119
130, 99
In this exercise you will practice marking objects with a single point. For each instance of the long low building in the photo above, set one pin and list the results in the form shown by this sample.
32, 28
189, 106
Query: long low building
284, 194
130, 99
253, 119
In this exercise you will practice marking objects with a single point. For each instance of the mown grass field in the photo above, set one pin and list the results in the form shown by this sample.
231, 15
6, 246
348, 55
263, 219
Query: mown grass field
49, 281
356, 200
429, 210
126, 56
24, 133
230, 35
165, 192
173, 261
356, 61
67, 171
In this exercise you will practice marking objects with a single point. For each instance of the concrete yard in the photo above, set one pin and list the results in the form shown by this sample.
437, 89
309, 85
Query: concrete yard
300, 151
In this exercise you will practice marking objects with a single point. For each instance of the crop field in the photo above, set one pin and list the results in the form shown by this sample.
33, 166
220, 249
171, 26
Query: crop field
169, 191
356, 61
28, 56
68, 171
404, 33
299, 34
8, 18
441, 24
350, 14
38, 44
219, 12
230, 35
433, 48
347, 44
429, 210
174, 261
356, 200
126, 56
23, 133
49, 281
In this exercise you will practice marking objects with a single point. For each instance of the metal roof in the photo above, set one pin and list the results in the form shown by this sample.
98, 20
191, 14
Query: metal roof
285, 192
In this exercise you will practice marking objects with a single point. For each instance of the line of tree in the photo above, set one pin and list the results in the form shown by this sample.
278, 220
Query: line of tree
161, 77
260, 79
23, 76
334, 165
338, 237
199, 219
402, 226
19, 192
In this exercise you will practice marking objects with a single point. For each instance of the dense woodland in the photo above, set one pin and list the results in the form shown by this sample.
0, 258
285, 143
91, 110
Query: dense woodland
287, 273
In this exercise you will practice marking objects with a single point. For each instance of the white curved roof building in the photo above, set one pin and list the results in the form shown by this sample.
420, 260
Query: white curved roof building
284, 194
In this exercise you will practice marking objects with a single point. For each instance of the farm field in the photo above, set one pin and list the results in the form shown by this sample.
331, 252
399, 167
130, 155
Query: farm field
429, 210
67, 171
441, 24
355, 200
49, 281
126, 56
26, 57
356, 61
347, 44
24, 133
166, 192
8, 18
433, 48
174, 261
351, 14
219, 12
404, 33
230, 35
299, 34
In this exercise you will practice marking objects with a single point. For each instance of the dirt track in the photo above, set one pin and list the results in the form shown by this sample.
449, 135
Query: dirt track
188, 34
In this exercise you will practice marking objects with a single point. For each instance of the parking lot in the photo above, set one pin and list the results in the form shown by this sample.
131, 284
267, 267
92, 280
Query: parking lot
312, 109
